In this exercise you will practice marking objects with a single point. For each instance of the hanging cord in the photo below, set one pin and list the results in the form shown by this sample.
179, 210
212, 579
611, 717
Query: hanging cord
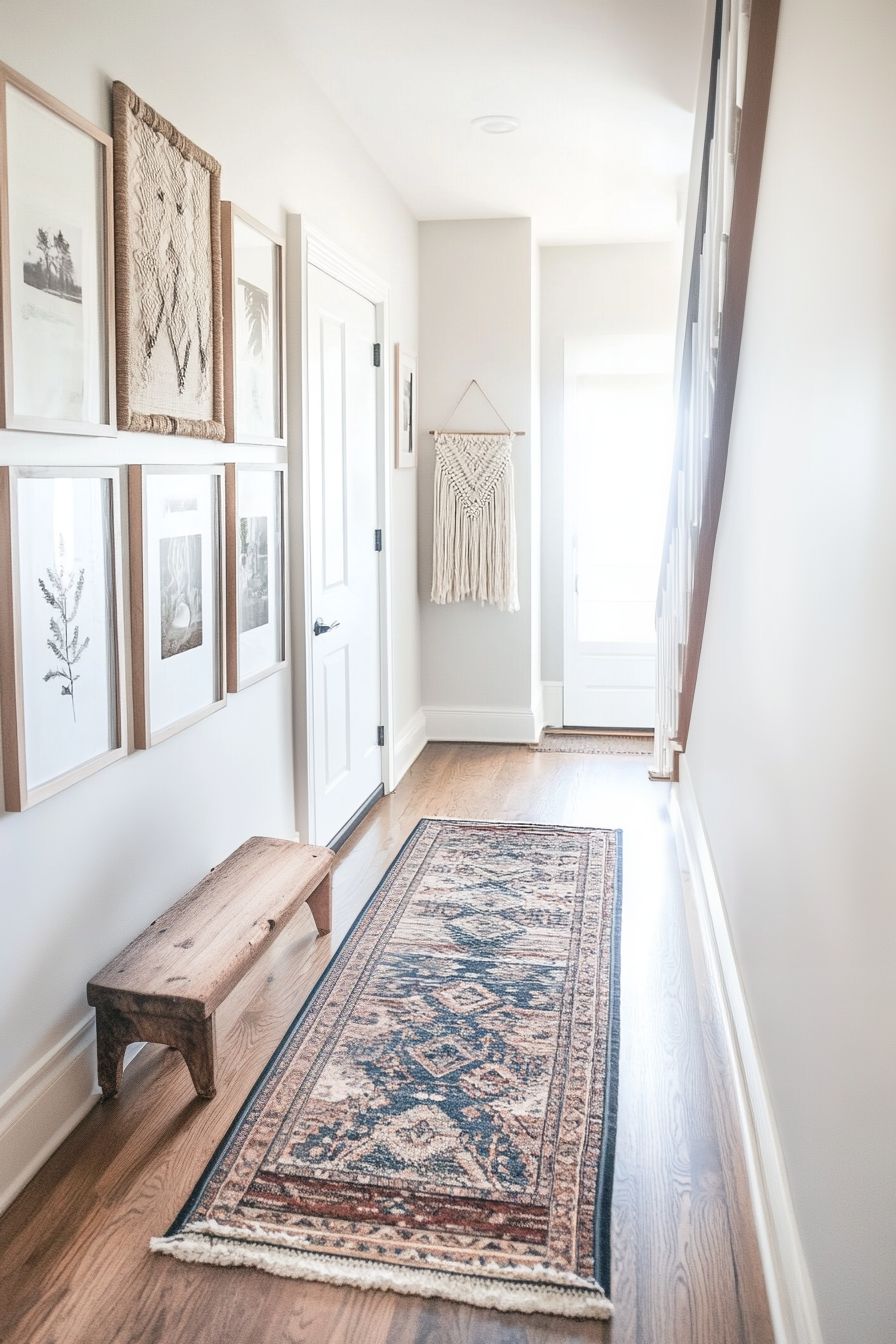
474, 382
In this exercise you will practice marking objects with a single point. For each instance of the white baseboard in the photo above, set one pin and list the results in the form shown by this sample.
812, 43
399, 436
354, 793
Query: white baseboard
409, 744
791, 1299
552, 699
470, 723
43, 1106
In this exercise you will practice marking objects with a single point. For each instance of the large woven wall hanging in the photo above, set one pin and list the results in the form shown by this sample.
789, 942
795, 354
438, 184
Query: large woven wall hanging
474, 518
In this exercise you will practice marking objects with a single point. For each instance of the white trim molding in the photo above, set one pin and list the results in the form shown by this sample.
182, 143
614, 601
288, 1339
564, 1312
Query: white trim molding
409, 743
44, 1105
477, 723
791, 1299
552, 701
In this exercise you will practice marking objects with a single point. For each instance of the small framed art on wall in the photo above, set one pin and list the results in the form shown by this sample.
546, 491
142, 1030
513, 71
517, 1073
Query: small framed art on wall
256, 573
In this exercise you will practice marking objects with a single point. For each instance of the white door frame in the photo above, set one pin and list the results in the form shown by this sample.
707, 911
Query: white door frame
307, 246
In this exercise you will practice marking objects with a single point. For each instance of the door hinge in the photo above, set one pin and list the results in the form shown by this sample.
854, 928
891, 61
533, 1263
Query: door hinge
381, 736
377, 354
378, 539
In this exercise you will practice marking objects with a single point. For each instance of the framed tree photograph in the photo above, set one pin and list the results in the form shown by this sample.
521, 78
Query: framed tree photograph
169, 322
405, 408
62, 680
56, 265
256, 573
252, 258
176, 517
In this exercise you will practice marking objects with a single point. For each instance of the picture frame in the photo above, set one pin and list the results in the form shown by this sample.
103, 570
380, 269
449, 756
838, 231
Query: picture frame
178, 605
169, 309
253, 263
257, 607
63, 684
406, 401
57, 302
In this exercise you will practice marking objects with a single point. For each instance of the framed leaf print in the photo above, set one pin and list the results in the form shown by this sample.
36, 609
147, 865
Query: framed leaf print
167, 276
62, 692
253, 329
256, 573
176, 519
56, 268
405, 408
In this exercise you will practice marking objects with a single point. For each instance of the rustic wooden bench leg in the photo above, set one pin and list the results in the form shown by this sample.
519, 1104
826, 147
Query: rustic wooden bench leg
320, 903
198, 1049
113, 1036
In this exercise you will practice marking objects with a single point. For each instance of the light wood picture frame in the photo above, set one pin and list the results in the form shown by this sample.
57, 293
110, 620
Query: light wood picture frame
257, 572
178, 603
405, 408
169, 309
253, 266
57, 291
63, 683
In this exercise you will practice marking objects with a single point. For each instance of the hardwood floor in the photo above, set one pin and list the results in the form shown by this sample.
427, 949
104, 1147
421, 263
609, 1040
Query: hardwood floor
74, 1264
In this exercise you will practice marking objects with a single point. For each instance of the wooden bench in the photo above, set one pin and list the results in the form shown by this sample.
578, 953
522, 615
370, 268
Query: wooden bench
166, 985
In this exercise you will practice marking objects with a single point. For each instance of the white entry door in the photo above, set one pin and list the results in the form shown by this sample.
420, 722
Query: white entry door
342, 474
617, 456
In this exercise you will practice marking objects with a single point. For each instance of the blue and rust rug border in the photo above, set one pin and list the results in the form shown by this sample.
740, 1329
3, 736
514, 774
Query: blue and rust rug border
604, 1191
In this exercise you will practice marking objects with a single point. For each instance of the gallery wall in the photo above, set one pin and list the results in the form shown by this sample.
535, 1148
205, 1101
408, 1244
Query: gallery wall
794, 715
478, 310
588, 295
84, 871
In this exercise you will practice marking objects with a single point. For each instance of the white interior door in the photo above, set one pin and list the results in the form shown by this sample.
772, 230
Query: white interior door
342, 477
617, 456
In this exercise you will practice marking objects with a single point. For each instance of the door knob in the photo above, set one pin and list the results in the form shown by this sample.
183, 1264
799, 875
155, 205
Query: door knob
321, 629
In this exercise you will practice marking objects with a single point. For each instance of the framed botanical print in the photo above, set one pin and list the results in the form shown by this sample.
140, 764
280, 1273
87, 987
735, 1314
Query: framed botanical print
169, 325
176, 519
62, 678
405, 408
56, 268
256, 573
252, 259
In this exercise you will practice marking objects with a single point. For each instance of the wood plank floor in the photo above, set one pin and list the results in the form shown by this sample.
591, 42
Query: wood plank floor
74, 1265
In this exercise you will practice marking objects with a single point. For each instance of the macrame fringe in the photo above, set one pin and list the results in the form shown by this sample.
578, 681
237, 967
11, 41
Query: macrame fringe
204, 1244
474, 535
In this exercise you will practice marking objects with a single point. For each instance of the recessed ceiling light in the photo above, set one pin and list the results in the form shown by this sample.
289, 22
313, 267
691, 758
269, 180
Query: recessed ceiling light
496, 124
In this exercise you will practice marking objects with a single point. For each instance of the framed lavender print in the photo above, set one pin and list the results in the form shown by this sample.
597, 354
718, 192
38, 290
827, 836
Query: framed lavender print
256, 573
253, 329
62, 691
56, 267
176, 517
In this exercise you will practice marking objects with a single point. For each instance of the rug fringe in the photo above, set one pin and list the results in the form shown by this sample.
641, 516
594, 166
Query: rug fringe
290, 1263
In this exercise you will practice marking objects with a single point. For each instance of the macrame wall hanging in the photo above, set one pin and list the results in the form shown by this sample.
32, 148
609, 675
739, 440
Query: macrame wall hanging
474, 519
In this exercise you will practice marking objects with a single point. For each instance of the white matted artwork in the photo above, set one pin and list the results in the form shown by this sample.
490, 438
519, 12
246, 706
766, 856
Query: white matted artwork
405, 408
253, 329
56, 273
256, 573
169, 352
61, 608
177, 597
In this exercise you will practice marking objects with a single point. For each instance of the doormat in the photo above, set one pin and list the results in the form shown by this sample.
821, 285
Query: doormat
597, 744
440, 1118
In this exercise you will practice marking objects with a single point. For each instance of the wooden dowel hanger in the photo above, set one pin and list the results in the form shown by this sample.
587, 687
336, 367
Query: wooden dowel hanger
474, 382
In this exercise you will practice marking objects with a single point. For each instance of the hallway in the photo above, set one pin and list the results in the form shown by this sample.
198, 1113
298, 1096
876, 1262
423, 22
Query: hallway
686, 1271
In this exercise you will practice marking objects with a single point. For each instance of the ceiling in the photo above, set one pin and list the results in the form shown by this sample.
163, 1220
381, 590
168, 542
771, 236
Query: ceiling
603, 90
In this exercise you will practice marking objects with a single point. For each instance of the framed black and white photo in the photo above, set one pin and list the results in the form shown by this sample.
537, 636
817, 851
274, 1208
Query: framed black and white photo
177, 597
256, 573
169, 323
405, 408
56, 266
253, 329
62, 691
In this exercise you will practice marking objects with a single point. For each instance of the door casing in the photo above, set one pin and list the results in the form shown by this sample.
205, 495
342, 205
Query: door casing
307, 246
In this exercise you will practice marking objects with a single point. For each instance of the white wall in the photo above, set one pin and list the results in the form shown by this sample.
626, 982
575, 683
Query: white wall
83, 872
477, 313
791, 744
588, 294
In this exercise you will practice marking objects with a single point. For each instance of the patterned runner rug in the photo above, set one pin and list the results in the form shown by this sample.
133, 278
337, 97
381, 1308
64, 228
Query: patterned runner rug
597, 744
440, 1117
